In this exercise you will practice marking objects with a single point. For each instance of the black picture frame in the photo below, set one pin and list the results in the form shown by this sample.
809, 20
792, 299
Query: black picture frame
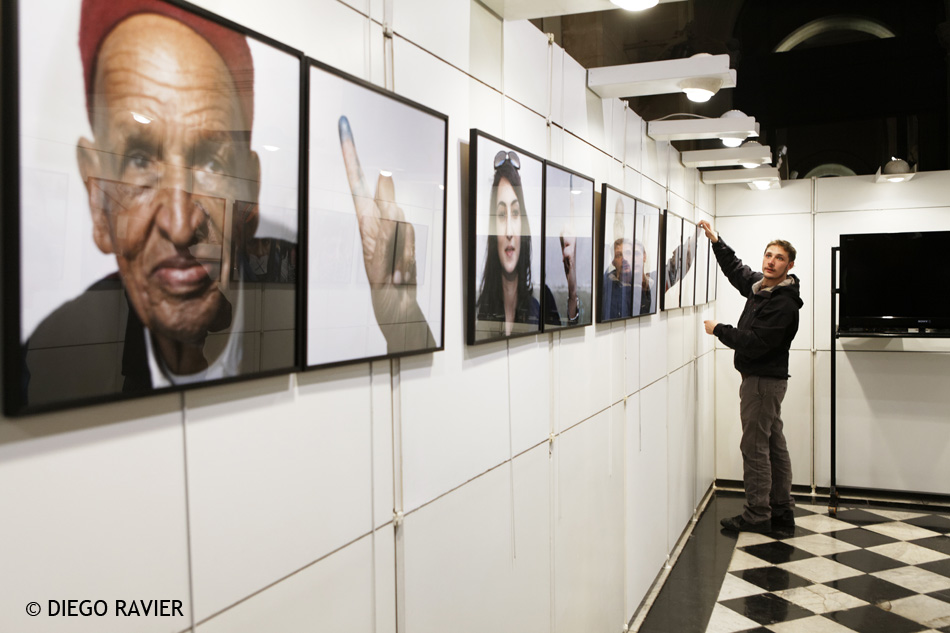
648, 223
672, 262
702, 267
398, 146
615, 247
486, 319
568, 211
75, 339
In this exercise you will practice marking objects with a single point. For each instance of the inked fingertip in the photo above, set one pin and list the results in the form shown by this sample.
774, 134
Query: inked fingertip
346, 134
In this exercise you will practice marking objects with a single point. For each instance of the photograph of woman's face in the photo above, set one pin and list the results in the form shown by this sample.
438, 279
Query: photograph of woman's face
507, 244
507, 217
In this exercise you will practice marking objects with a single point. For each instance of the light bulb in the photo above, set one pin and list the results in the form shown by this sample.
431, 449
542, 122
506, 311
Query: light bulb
635, 5
698, 95
761, 185
730, 141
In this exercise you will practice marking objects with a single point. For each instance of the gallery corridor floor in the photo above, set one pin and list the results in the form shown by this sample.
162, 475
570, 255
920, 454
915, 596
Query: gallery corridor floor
871, 569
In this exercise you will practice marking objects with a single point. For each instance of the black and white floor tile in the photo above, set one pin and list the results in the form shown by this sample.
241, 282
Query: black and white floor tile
866, 570
863, 571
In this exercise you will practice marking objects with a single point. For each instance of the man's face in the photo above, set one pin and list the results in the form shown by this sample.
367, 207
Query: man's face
775, 263
170, 151
639, 261
623, 259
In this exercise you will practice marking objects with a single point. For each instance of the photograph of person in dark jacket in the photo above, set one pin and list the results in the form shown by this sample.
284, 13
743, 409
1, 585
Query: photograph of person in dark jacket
761, 340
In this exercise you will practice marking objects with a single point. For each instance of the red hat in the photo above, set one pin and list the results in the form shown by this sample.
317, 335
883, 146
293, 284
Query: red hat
100, 17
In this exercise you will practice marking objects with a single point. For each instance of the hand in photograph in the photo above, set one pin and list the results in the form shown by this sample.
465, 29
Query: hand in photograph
388, 253
569, 257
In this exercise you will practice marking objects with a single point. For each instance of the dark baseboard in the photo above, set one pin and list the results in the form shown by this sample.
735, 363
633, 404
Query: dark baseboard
855, 496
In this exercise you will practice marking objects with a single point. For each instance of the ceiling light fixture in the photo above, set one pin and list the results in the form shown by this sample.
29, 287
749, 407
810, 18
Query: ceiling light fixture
895, 170
732, 125
767, 175
750, 155
635, 5
701, 75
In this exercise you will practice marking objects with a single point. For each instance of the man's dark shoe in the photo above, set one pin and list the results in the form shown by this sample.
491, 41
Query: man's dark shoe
784, 519
739, 524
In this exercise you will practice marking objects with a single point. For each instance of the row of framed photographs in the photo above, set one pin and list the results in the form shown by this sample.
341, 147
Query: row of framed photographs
196, 204
523, 281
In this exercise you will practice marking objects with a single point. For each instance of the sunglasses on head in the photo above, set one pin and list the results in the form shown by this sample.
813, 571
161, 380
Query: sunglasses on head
503, 156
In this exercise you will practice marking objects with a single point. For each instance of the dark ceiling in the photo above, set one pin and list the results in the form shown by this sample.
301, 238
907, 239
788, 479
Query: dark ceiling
844, 96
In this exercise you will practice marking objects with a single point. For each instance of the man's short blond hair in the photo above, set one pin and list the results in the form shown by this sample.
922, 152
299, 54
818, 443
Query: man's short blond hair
787, 246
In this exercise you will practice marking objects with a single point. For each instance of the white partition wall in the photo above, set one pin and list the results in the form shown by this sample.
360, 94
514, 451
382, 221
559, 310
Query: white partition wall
538, 484
892, 401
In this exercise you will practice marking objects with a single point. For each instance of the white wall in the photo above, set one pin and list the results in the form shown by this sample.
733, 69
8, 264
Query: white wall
893, 426
541, 482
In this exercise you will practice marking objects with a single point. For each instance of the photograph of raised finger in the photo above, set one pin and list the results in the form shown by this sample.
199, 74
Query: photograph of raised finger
505, 282
154, 201
568, 248
376, 222
688, 245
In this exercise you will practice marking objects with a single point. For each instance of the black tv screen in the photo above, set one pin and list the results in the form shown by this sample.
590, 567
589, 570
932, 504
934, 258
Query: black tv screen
894, 281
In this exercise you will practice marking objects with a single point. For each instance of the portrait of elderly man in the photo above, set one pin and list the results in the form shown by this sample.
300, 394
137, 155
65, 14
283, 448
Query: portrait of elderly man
172, 186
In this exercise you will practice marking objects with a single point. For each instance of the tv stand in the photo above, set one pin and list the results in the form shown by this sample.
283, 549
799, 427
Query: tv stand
886, 332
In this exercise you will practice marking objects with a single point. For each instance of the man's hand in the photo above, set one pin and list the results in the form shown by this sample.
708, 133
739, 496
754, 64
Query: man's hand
707, 227
389, 251
710, 326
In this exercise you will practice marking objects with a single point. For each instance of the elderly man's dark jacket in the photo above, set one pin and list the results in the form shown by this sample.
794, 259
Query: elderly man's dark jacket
769, 320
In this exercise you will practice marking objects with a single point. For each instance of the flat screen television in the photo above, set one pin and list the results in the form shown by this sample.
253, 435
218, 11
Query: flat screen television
893, 282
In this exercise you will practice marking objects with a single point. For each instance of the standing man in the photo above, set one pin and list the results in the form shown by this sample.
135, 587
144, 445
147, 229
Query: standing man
761, 340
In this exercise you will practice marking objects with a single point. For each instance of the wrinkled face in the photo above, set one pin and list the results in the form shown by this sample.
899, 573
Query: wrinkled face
508, 226
775, 263
171, 150
623, 260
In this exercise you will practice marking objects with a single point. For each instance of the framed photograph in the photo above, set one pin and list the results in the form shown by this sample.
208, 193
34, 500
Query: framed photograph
646, 259
688, 246
702, 267
672, 262
616, 255
150, 236
375, 222
568, 247
506, 289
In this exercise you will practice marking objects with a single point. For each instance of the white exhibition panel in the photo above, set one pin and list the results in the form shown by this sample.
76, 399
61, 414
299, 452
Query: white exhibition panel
529, 380
828, 229
479, 558
588, 525
575, 154
682, 179
647, 499
631, 361
681, 206
748, 236
455, 419
705, 198
657, 156
424, 79
93, 497
273, 487
861, 193
583, 392
414, 19
634, 139
796, 416
653, 348
681, 450
677, 322
638, 186
485, 45
523, 128
526, 74
893, 431
795, 196
335, 594
581, 115
705, 404
382, 430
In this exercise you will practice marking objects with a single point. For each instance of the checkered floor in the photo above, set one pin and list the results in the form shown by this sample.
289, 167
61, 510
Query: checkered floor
864, 571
